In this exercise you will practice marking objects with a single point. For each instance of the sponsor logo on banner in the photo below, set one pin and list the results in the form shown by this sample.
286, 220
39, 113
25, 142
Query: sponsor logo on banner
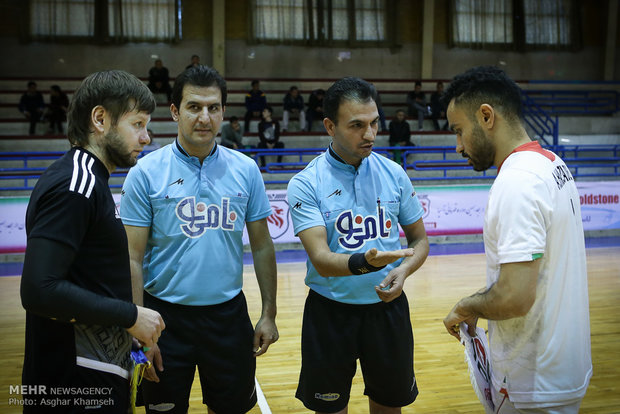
279, 220
426, 204
448, 210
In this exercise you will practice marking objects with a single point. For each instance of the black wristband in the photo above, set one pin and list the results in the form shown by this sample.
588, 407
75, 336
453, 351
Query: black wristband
359, 266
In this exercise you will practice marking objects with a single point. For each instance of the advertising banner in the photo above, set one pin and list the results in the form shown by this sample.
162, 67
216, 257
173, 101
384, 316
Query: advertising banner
448, 210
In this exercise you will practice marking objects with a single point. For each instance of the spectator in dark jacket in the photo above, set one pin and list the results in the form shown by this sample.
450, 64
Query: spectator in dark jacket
57, 109
400, 134
32, 106
195, 61
416, 102
159, 79
255, 102
269, 133
315, 107
293, 106
232, 134
438, 107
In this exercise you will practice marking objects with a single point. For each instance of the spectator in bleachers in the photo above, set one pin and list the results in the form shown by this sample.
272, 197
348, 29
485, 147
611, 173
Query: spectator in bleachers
159, 79
416, 102
57, 109
32, 106
194, 62
255, 103
232, 134
315, 107
438, 107
269, 133
293, 106
400, 134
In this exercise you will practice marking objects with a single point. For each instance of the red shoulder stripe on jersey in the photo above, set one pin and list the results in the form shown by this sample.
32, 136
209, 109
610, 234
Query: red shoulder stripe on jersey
533, 146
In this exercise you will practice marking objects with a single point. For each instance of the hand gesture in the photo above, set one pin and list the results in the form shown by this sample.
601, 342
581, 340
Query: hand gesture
392, 286
380, 259
265, 334
148, 326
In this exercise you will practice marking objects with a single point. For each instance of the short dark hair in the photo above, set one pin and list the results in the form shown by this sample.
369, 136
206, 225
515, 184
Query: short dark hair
31, 83
117, 91
418, 83
200, 75
56, 88
347, 89
255, 82
486, 84
233, 119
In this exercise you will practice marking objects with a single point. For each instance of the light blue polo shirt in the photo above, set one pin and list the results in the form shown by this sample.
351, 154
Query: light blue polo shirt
196, 212
360, 209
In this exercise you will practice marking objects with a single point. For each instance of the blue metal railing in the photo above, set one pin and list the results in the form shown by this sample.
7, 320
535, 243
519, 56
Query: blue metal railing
583, 161
542, 108
542, 124
583, 102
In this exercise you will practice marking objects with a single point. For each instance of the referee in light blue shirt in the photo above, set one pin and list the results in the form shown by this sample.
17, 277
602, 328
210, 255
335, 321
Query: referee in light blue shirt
184, 208
346, 206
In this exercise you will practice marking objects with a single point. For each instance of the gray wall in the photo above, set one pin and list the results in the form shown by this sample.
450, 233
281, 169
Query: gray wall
243, 60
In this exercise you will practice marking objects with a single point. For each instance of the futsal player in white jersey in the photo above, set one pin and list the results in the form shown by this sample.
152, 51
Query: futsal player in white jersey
184, 207
536, 299
346, 206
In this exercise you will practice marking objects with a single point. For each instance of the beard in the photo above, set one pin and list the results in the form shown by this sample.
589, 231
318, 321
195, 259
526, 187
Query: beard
483, 150
116, 150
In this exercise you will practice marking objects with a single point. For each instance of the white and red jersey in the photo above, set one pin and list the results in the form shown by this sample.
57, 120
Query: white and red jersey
533, 212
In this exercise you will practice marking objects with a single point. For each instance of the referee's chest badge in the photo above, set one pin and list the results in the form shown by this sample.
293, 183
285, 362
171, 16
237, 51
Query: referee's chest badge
196, 218
355, 230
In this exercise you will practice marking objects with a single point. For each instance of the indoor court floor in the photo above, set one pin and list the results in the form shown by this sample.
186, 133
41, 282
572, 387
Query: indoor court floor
450, 272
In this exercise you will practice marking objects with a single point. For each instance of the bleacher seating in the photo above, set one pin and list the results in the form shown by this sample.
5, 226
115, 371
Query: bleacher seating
393, 95
425, 161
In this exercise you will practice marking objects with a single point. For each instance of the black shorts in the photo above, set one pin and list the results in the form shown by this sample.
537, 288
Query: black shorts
216, 338
334, 335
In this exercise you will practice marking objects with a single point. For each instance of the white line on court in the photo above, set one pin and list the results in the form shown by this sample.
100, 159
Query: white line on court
262, 402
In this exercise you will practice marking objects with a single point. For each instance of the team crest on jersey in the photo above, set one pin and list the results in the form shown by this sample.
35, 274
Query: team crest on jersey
198, 217
356, 230
279, 220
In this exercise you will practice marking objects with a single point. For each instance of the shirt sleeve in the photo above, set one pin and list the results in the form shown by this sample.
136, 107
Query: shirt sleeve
411, 209
258, 203
63, 216
303, 205
47, 291
519, 214
136, 208
58, 228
